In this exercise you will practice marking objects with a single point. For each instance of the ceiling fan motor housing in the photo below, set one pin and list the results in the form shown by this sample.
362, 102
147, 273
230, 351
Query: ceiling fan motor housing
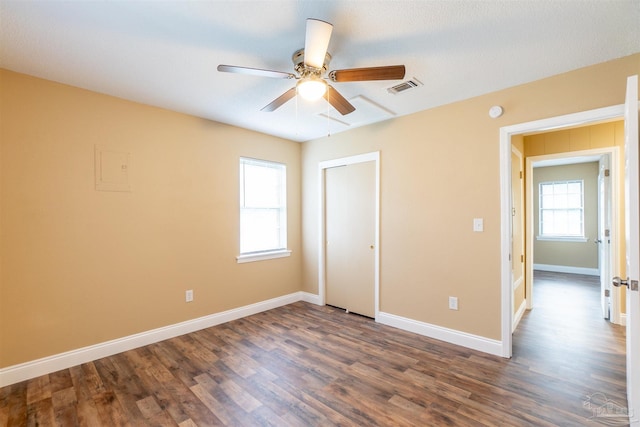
304, 70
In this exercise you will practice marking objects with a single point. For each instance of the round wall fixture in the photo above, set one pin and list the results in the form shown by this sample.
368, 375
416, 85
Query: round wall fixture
495, 111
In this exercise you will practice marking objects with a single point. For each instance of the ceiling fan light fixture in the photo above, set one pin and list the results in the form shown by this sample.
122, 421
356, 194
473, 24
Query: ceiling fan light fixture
311, 88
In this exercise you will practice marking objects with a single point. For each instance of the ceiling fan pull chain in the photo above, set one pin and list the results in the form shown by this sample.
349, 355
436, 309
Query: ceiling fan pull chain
328, 112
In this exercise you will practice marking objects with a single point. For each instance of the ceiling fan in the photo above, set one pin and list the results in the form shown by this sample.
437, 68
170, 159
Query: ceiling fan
311, 63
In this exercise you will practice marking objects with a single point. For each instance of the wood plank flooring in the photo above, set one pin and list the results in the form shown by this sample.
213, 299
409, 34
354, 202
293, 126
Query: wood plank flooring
304, 365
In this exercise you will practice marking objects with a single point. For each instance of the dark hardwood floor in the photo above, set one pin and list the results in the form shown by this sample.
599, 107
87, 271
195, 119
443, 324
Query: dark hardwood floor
304, 365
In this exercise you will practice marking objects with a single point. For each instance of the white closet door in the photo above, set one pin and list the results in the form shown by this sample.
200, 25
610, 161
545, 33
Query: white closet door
350, 233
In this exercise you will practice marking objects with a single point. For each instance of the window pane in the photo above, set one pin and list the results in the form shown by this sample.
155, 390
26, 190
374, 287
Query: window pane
546, 225
575, 188
560, 220
548, 202
574, 201
546, 189
559, 201
260, 230
560, 188
574, 222
261, 186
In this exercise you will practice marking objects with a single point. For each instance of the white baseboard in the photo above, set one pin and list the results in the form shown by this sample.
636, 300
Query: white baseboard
567, 269
46, 365
452, 336
623, 319
518, 315
310, 298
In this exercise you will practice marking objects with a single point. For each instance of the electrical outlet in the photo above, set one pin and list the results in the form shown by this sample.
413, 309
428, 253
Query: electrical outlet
478, 225
453, 303
188, 295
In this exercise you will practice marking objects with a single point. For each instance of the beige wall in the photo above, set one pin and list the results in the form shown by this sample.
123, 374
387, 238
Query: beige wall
602, 135
80, 266
569, 254
440, 169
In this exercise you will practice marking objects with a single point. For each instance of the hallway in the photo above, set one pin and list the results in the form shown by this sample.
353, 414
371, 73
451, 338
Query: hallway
565, 340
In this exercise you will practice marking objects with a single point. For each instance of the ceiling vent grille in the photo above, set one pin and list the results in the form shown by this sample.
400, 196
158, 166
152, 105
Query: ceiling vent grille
404, 86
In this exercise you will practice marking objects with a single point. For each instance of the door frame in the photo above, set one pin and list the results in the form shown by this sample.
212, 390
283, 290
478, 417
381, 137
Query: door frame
322, 167
614, 166
506, 132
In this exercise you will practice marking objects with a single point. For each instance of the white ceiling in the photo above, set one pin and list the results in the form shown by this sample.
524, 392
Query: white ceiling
165, 53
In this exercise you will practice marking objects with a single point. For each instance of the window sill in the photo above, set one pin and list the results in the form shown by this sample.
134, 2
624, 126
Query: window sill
261, 256
563, 239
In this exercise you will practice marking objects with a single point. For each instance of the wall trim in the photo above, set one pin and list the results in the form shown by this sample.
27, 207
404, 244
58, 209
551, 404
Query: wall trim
517, 316
24, 371
567, 269
623, 319
310, 298
451, 336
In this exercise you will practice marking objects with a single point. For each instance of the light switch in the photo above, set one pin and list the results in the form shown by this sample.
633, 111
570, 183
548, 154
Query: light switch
478, 224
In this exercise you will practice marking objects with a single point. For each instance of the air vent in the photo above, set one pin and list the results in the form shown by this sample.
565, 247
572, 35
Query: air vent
404, 86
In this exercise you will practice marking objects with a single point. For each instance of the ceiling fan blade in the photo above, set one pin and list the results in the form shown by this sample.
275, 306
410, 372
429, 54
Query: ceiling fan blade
338, 101
316, 42
391, 72
255, 72
279, 101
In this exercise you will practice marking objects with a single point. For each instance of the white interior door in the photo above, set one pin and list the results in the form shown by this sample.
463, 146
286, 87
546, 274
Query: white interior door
604, 234
350, 218
632, 237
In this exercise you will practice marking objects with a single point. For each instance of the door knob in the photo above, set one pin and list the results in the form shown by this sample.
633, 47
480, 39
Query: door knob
631, 284
597, 241
619, 281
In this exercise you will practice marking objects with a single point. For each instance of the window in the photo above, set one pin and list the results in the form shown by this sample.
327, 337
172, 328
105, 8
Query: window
263, 210
561, 209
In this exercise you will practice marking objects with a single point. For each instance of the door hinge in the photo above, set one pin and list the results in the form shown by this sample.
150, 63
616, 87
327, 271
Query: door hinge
520, 174
607, 293
521, 258
606, 172
606, 233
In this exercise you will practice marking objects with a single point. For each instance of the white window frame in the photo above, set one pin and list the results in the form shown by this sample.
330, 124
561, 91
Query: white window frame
276, 252
561, 237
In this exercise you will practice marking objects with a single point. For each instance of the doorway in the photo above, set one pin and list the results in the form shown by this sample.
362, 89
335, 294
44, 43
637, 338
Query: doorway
591, 253
506, 134
343, 210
